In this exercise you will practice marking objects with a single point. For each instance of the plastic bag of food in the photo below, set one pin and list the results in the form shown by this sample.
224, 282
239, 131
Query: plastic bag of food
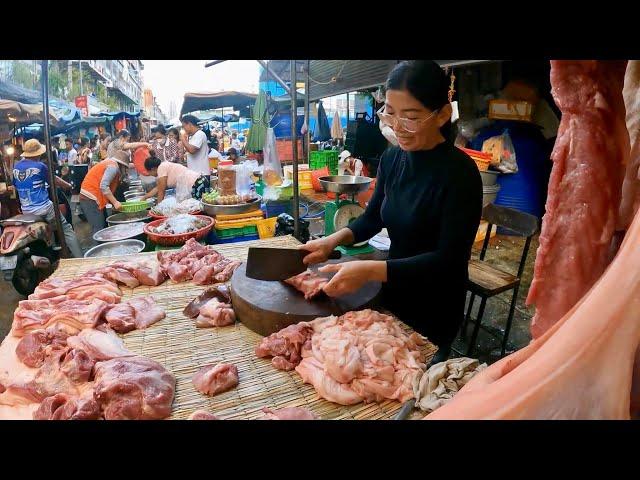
244, 172
501, 149
272, 166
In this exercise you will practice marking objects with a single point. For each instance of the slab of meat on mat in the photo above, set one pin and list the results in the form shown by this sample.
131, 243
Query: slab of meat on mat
214, 379
215, 314
136, 313
84, 288
286, 346
309, 283
115, 274
291, 413
589, 157
35, 346
202, 415
147, 272
69, 315
133, 388
99, 345
66, 407
362, 356
221, 292
198, 262
218, 271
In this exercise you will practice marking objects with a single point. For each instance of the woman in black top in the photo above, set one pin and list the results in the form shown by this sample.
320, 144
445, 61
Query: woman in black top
429, 197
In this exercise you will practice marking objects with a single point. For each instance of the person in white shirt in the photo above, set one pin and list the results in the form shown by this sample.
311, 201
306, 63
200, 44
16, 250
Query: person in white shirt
347, 165
195, 143
72, 154
235, 143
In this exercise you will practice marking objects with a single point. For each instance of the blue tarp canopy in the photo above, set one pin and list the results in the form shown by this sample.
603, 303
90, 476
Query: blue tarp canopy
118, 114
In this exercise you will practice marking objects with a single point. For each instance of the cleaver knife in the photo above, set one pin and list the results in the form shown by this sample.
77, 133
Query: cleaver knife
277, 264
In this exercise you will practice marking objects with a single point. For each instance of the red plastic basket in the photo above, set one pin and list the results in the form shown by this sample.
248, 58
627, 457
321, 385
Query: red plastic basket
178, 239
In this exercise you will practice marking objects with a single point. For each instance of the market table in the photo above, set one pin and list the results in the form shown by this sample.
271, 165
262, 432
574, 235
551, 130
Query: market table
182, 348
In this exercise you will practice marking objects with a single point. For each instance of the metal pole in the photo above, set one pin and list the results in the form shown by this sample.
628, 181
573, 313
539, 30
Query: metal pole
80, 68
307, 93
294, 142
214, 62
347, 113
47, 142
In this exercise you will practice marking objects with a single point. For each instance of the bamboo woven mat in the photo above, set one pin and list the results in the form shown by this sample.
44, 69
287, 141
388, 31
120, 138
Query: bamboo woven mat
182, 348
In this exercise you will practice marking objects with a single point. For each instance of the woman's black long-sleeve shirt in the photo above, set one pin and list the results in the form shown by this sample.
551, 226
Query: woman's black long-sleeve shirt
431, 204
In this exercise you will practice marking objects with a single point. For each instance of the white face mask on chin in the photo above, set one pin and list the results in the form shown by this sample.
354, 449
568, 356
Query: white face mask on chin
388, 133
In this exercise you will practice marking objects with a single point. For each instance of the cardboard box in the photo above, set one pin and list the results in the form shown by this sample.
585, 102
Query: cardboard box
510, 110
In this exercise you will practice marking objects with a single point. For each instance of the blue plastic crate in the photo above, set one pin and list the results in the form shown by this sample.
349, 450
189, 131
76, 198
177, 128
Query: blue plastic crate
246, 238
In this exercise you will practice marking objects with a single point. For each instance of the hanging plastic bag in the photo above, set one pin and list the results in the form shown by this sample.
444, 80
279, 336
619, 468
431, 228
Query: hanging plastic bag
272, 166
244, 173
502, 151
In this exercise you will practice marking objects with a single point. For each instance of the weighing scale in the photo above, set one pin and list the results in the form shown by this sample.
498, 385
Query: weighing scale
340, 213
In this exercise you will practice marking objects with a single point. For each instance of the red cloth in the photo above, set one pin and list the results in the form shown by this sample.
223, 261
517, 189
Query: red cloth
139, 156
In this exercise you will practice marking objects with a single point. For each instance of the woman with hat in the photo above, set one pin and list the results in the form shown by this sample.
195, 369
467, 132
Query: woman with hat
428, 195
30, 177
347, 165
99, 186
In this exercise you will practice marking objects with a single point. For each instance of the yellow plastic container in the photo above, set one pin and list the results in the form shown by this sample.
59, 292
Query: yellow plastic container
267, 227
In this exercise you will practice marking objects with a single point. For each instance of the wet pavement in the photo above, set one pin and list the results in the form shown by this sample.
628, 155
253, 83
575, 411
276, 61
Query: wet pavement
504, 253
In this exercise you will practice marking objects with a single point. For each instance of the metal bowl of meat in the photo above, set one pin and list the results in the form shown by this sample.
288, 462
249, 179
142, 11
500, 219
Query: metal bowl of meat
112, 249
197, 228
348, 184
125, 231
123, 217
219, 209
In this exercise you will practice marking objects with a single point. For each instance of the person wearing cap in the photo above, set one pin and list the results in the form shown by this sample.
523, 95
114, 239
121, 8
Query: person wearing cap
30, 177
123, 143
99, 186
347, 165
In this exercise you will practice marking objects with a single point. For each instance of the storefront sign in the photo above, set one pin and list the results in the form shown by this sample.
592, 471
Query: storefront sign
83, 105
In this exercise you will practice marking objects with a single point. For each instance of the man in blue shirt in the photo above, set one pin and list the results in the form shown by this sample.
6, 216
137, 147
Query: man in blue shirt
30, 177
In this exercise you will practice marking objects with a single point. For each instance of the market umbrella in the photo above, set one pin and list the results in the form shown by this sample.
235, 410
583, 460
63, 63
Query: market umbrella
259, 124
336, 127
322, 132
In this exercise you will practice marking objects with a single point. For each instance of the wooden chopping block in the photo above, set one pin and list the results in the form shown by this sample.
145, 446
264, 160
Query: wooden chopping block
267, 307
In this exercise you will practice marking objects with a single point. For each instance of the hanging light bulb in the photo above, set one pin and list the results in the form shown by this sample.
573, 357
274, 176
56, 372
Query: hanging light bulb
10, 150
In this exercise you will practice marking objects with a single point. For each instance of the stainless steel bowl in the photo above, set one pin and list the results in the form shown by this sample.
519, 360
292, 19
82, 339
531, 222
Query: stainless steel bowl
489, 178
110, 249
120, 232
345, 184
489, 194
212, 210
120, 218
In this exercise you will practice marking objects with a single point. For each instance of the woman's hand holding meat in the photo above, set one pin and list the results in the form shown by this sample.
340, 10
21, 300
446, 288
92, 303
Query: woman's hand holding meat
351, 276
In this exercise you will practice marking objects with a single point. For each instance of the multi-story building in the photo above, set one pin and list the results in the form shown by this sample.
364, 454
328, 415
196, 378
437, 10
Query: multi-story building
152, 109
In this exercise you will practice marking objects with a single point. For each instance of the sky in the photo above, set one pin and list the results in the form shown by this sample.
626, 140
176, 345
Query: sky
171, 79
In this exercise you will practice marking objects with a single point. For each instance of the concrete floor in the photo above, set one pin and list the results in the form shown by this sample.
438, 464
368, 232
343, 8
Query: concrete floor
504, 253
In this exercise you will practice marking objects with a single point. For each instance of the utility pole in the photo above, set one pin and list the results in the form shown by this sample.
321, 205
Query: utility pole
80, 67
294, 141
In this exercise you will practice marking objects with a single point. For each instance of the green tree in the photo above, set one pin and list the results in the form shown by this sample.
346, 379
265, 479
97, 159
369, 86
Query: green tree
21, 74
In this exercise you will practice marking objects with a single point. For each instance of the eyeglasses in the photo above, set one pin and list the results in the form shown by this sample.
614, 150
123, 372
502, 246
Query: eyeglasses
408, 124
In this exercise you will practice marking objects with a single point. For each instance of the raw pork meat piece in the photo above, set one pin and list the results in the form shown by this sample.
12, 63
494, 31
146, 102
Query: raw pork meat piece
362, 356
202, 415
309, 283
227, 272
198, 262
286, 345
65, 407
34, 347
99, 345
631, 185
214, 379
84, 288
291, 413
69, 315
178, 273
584, 196
221, 292
116, 275
215, 314
137, 313
581, 368
133, 388
147, 272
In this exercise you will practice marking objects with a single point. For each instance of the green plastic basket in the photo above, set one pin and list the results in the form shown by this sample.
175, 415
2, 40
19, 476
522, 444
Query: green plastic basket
132, 207
320, 159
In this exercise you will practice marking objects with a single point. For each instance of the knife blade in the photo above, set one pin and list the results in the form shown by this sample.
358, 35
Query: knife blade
277, 264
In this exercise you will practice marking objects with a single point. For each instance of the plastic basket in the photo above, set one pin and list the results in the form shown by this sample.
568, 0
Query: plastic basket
267, 227
237, 239
132, 207
324, 158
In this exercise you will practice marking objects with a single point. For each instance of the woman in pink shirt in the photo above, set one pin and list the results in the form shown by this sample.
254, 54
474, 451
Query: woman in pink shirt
188, 183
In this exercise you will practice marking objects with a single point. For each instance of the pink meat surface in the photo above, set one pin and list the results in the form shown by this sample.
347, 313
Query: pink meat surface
136, 313
85, 288
133, 388
65, 407
202, 415
116, 274
146, 272
193, 258
309, 283
214, 379
631, 185
69, 315
362, 356
34, 347
285, 346
291, 413
99, 345
215, 314
584, 196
